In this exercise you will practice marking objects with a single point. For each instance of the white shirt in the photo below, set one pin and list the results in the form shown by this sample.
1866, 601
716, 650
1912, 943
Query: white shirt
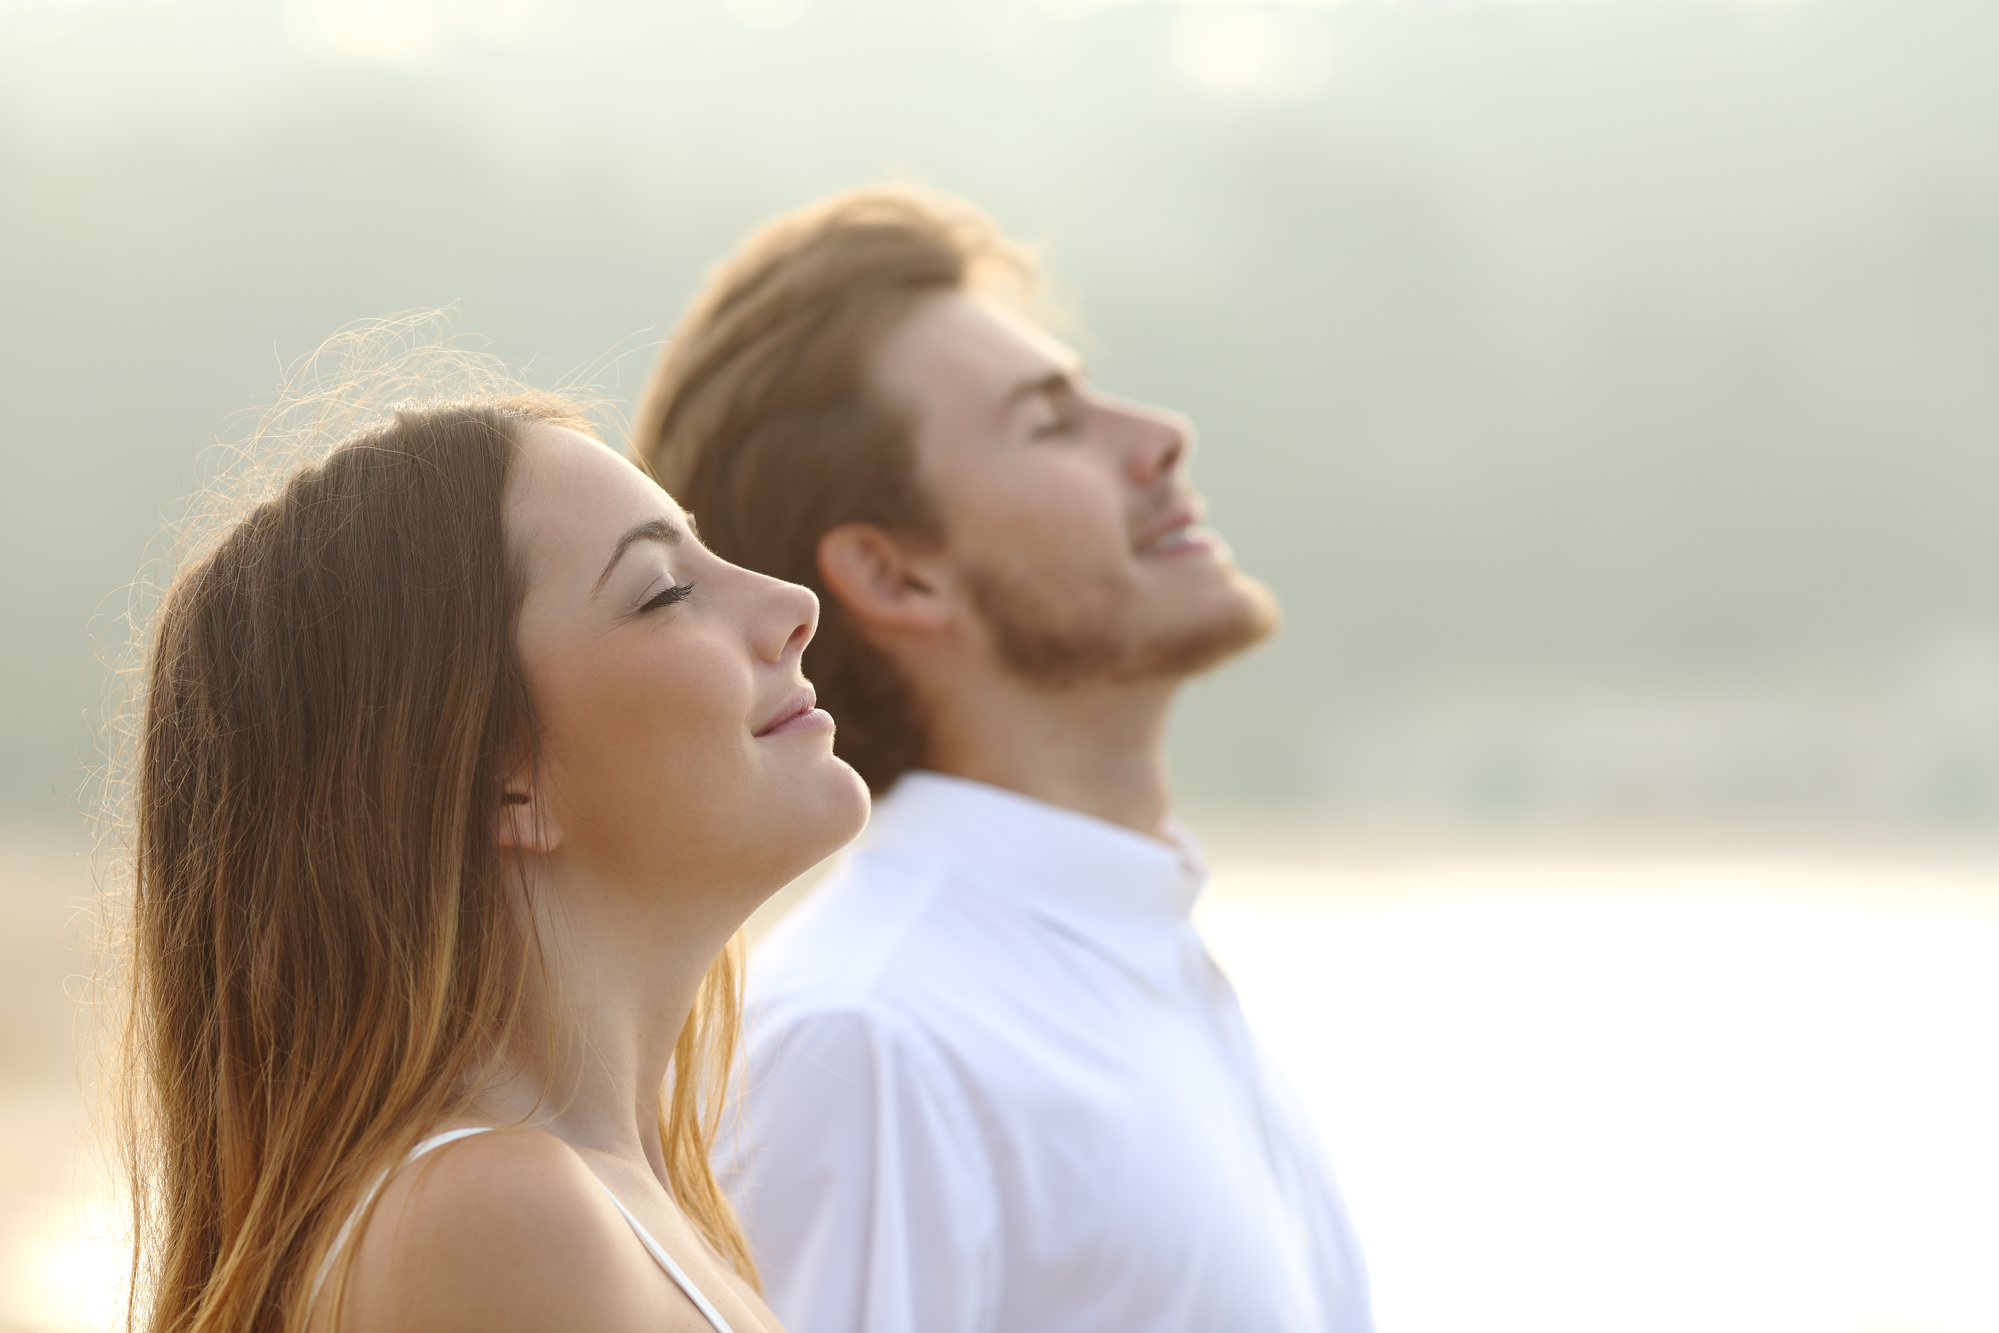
997, 1085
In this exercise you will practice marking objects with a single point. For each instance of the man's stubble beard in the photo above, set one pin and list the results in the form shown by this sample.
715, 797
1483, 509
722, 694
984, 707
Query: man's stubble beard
1087, 638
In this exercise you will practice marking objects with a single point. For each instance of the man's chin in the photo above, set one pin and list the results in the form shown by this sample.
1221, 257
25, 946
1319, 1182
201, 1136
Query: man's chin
1237, 622
1164, 633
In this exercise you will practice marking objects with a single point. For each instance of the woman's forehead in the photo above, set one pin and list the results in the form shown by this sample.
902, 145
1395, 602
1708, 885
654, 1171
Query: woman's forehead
557, 463
573, 494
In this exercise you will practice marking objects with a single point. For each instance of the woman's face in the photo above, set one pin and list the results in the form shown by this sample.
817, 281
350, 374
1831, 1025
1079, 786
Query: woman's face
680, 747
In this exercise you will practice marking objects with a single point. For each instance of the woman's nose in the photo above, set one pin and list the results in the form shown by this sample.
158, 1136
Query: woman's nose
791, 618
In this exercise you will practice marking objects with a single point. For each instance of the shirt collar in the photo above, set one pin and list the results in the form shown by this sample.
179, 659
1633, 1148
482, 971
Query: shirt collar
1114, 889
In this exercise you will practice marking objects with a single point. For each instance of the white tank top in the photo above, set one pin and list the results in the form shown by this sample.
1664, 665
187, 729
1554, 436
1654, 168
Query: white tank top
653, 1247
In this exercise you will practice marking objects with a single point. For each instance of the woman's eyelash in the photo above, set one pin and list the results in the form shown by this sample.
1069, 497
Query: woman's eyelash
668, 597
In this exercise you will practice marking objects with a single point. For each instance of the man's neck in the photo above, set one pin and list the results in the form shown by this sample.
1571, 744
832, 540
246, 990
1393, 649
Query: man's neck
1097, 749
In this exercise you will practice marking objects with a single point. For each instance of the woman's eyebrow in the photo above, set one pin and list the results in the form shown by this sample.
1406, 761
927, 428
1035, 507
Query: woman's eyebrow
653, 529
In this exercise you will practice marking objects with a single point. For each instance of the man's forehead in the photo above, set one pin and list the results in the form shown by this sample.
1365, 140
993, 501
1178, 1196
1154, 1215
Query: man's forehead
1027, 339
973, 343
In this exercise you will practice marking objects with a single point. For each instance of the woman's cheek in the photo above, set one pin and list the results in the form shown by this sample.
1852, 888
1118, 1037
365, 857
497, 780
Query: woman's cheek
704, 696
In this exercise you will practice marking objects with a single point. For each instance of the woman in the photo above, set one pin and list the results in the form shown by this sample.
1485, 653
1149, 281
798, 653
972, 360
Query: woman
462, 762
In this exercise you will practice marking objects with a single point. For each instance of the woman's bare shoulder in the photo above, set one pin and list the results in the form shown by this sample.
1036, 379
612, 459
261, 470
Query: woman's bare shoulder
505, 1232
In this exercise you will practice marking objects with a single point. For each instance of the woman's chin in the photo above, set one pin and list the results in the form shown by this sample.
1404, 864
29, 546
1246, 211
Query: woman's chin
847, 805
819, 820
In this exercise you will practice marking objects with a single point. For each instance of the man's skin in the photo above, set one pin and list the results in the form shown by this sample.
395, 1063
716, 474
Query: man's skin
1044, 638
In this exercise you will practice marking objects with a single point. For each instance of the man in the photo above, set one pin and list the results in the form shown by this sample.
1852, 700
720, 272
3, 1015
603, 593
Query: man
995, 1082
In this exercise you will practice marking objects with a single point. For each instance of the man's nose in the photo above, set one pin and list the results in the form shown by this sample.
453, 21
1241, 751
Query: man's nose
1157, 441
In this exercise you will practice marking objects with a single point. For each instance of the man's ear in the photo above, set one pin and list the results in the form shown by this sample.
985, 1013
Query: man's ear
884, 582
523, 822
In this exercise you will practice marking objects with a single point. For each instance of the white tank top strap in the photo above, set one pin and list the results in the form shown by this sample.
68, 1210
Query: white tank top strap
439, 1140
346, 1232
653, 1247
673, 1270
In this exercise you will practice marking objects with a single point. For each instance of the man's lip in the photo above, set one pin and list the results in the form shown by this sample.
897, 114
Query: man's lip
803, 700
1180, 516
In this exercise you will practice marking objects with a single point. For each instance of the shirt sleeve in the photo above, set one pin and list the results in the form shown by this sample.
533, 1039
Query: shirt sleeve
862, 1181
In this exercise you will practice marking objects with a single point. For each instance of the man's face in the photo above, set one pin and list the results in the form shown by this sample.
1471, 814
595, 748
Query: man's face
1068, 515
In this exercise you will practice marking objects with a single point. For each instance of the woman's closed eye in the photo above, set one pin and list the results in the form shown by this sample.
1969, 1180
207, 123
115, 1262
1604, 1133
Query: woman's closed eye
668, 596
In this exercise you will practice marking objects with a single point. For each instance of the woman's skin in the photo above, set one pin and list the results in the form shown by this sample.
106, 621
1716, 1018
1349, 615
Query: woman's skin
682, 781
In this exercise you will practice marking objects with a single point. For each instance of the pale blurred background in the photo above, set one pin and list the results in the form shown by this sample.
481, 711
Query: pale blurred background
1609, 388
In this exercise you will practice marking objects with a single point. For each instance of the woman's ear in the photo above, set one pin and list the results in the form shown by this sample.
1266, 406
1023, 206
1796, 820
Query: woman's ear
523, 822
882, 581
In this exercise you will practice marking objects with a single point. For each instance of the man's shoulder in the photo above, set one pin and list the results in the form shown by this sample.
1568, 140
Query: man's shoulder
896, 961
877, 929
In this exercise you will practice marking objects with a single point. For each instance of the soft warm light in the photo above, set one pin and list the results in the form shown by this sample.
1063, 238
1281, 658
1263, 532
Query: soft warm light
1571, 1100
1255, 52
61, 1267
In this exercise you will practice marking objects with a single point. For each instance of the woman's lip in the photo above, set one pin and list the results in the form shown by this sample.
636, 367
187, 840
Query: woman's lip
802, 704
812, 719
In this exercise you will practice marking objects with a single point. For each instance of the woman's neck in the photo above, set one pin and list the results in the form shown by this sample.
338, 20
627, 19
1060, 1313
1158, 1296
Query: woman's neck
622, 969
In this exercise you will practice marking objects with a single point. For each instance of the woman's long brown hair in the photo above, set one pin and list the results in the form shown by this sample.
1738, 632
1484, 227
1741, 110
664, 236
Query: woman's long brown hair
326, 950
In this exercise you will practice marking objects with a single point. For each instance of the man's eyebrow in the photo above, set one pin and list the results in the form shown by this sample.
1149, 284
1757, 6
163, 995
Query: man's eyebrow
1055, 381
653, 529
